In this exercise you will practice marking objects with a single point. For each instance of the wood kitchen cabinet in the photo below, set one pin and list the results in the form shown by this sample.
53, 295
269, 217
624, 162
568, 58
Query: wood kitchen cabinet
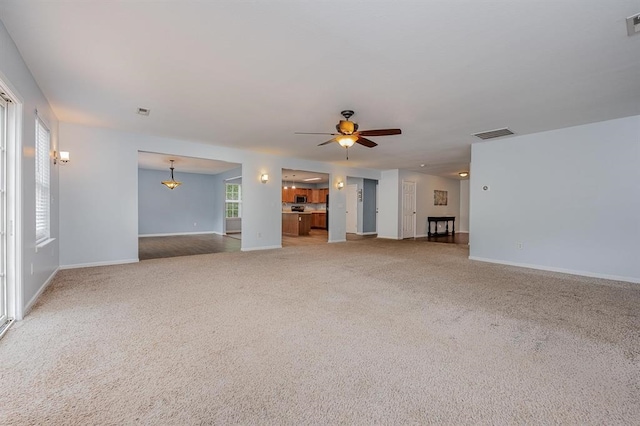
319, 220
296, 224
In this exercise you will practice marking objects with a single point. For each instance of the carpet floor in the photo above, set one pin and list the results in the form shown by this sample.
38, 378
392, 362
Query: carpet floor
364, 332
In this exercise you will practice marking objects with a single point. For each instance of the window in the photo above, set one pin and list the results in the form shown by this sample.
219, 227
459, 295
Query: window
233, 200
43, 199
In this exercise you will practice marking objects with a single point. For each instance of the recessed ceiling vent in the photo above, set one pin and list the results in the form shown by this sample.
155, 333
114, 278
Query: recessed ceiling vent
492, 134
143, 111
633, 24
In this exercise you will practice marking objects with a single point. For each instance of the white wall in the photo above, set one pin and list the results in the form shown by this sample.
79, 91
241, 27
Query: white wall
571, 197
388, 204
425, 185
37, 267
99, 220
462, 224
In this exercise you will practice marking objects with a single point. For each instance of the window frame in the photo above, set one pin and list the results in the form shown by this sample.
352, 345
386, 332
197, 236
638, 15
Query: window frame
228, 201
42, 159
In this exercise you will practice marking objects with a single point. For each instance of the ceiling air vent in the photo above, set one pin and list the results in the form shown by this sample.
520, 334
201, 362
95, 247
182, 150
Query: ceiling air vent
633, 24
144, 111
491, 134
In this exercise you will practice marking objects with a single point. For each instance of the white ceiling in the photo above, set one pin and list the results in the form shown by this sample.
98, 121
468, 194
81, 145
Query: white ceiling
248, 74
299, 176
156, 161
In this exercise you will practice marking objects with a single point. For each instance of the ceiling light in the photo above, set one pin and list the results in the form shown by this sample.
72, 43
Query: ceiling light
347, 141
171, 184
311, 179
463, 174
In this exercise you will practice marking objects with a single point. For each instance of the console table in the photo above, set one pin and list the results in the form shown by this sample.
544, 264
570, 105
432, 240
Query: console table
445, 219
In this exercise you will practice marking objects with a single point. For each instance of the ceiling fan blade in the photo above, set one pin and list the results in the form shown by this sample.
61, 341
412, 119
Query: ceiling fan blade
303, 133
380, 132
328, 142
366, 142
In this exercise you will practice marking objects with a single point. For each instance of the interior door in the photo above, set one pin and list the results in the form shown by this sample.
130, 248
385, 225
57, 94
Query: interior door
3, 212
408, 209
352, 209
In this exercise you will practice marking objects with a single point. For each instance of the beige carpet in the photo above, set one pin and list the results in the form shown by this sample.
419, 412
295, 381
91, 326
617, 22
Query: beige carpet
364, 332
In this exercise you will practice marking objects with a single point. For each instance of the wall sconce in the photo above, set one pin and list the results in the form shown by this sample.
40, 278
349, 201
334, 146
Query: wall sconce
62, 157
340, 185
264, 178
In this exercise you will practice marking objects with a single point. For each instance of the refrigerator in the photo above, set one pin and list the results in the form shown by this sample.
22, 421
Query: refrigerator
327, 203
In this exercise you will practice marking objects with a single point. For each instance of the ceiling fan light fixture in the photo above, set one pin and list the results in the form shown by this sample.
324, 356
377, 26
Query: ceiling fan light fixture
347, 141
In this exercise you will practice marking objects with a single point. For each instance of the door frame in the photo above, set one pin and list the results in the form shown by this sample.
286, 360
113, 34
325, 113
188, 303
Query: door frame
15, 306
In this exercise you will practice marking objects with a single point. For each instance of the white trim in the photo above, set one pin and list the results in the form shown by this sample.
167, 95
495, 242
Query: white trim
366, 233
388, 237
107, 263
561, 270
14, 200
35, 297
178, 233
6, 326
261, 248
338, 241
44, 243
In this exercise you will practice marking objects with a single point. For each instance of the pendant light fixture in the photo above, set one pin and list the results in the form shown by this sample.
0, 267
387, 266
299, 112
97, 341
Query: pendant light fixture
293, 182
171, 184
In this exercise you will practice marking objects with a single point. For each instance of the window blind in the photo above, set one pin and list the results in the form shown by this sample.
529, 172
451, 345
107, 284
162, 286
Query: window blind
43, 199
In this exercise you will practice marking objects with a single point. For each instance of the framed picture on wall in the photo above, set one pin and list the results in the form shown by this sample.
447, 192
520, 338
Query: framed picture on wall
439, 198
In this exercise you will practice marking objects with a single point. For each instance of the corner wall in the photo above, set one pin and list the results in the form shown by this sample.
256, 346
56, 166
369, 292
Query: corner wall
37, 266
566, 200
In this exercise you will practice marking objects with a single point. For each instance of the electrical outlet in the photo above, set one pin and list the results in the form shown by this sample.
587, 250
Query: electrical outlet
520, 245
259, 234
31, 268
195, 223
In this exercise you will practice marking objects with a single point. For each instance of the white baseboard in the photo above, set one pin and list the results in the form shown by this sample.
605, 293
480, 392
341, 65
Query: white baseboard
34, 299
387, 237
338, 241
178, 233
92, 264
366, 233
561, 270
261, 248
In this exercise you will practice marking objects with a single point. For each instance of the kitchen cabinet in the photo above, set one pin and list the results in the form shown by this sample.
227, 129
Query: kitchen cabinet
319, 195
319, 220
296, 224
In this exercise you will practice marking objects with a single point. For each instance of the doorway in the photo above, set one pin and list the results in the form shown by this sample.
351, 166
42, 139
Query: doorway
184, 211
4, 311
352, 209
10, 214
305, 202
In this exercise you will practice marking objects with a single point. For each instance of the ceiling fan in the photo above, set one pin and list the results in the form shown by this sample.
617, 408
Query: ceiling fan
348, 133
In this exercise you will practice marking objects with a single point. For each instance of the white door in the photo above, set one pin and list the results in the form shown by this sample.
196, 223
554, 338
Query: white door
3, 212
352, 209
408, 209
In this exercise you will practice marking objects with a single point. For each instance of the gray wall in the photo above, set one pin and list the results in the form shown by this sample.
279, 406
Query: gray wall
369, 205
188, 208
564, 200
